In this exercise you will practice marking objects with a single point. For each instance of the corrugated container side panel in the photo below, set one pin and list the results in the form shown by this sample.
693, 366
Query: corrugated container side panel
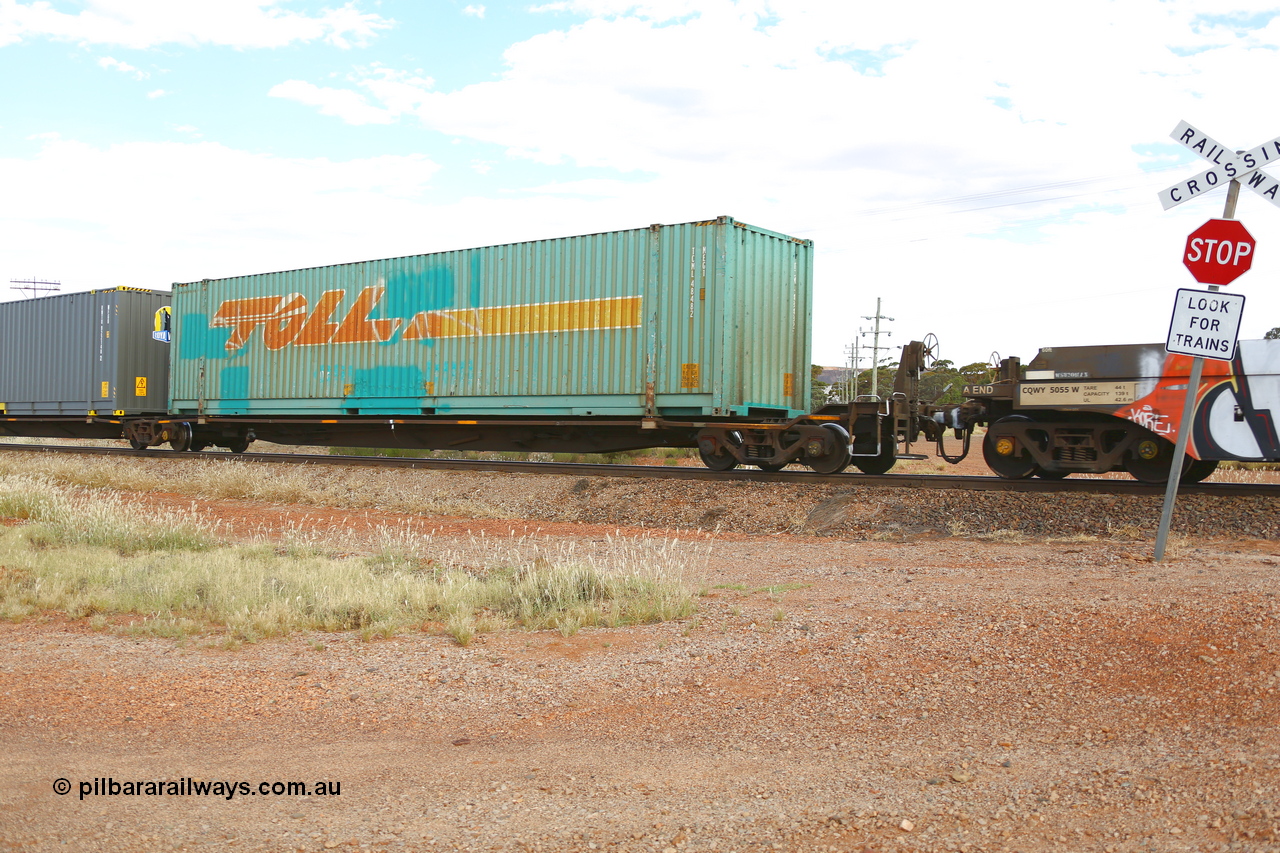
48, 358
771, 282
686, 359
139, 356
56, 353
552, 325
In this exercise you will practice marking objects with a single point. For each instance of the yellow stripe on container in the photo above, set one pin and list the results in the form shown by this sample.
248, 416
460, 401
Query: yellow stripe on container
620, 312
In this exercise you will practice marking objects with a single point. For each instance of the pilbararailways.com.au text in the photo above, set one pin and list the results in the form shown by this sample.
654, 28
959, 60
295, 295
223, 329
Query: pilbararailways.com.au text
190, 787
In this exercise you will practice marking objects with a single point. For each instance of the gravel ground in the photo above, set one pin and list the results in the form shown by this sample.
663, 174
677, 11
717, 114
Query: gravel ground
879, 670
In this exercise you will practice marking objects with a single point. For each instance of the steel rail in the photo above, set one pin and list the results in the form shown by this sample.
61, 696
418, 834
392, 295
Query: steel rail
898, 481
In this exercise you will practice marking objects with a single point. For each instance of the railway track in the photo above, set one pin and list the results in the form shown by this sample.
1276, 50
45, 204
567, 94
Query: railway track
899, 481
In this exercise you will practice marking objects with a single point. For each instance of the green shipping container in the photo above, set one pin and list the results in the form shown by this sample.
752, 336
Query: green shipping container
700, 319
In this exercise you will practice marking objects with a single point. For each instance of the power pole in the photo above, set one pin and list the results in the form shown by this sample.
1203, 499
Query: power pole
854, 361
875, 347
35, 286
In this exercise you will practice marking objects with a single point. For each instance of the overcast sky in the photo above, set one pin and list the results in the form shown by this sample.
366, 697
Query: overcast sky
989, 169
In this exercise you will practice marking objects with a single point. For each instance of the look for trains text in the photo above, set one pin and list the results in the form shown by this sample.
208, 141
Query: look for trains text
1206, 323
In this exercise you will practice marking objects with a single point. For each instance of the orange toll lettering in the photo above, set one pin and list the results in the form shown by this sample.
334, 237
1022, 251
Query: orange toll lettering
358, 328
318, 330
245, 315
286, 320
281, 330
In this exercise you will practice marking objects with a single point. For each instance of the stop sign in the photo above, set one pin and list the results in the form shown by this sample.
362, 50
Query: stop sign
1219, 251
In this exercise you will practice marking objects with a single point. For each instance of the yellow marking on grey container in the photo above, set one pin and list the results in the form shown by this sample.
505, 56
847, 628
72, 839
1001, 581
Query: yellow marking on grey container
788, 384
579, 315
348, 389
118, 412
467, 422
690, 375
139, 386
3, 410
429, 388
106, 390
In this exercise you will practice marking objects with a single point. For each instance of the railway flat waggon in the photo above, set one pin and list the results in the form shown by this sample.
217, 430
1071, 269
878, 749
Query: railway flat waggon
1119, 408
626, 339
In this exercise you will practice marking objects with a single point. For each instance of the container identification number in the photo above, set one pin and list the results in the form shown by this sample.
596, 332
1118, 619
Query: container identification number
1077, 394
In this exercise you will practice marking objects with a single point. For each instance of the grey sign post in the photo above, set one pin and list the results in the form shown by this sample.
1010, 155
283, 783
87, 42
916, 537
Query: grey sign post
1230, 167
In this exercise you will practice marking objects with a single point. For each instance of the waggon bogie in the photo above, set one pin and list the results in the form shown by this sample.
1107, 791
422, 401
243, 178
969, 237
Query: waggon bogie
1101, 409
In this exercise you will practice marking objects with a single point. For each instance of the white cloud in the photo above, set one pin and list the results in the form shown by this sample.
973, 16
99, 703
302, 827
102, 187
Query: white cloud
151, 23
474, 11
991, 184
848, 123
399, 93
123, 67
156, 93
205, 210
345, 104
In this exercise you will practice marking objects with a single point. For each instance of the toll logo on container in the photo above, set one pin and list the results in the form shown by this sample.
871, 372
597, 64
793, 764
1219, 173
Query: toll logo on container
291, 320
163, 324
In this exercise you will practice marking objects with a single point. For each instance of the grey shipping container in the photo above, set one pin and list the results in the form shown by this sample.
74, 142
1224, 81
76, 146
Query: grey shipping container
705, 318
84, 354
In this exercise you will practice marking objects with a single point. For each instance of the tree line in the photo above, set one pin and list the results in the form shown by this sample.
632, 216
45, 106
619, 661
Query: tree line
942, 384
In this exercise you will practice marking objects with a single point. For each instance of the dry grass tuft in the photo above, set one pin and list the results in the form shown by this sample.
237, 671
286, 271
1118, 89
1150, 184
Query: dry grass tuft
90, 556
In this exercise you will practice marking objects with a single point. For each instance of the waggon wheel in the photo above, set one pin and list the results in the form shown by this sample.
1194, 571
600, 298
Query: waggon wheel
180, 439
719, 461
1199, 470
1052, 475
239, 444
723, 460
1150, 460
998, 452
770, 468
834, 460
138, 445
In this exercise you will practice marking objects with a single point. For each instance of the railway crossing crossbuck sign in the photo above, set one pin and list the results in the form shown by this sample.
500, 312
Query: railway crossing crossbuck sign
1227, 166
